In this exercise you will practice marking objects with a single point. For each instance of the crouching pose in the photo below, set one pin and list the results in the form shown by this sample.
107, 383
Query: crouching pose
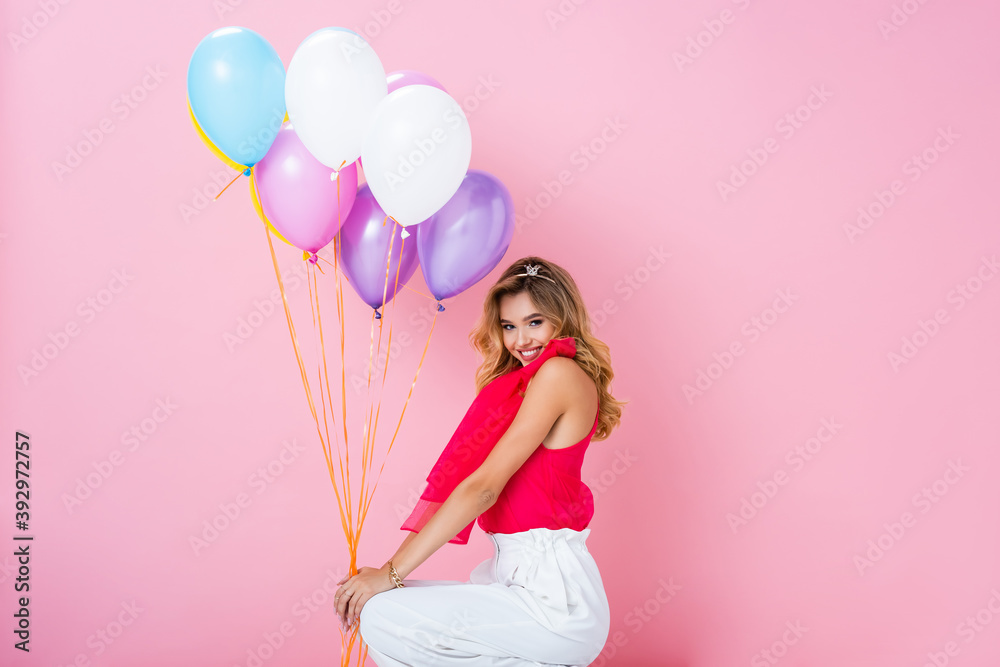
513, 465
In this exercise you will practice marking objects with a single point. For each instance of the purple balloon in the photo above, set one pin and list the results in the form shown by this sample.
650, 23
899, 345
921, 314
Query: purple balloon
468, 236
298, 195
364, 251
409, 77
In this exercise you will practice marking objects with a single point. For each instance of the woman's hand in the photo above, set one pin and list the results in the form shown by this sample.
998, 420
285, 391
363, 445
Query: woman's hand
354, 592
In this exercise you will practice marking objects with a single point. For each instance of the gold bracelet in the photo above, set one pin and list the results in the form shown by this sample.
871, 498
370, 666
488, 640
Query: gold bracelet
394, 576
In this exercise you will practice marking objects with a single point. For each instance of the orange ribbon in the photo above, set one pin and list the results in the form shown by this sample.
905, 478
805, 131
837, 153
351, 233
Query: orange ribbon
343, 490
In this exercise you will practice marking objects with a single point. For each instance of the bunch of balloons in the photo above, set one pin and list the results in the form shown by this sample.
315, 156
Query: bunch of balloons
300, 136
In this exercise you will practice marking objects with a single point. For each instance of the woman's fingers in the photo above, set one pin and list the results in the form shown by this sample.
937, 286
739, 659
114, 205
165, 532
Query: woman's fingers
357, 601
350, 608
361, 605
348, 603
342, 600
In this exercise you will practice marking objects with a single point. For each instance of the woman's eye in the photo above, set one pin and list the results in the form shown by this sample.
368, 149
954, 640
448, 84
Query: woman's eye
504, 326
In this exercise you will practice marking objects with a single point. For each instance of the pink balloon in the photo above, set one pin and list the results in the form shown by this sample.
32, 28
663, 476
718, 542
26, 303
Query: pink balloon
298, 195
409, 77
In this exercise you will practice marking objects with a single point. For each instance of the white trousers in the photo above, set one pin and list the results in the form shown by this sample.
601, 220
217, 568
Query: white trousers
539, 600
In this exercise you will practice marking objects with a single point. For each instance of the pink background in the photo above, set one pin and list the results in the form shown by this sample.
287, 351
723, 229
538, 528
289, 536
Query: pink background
674, 272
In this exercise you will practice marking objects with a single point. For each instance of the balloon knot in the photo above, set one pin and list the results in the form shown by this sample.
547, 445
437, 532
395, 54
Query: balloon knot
378, 315
440, 307
312, 257
404, 233
246, 172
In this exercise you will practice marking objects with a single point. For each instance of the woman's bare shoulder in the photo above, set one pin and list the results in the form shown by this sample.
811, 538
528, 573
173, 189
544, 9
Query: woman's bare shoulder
564, 375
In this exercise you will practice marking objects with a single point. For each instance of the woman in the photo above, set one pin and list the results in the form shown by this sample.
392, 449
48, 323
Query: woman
540, 598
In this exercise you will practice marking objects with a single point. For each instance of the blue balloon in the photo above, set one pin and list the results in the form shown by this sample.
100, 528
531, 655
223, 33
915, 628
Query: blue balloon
236, 86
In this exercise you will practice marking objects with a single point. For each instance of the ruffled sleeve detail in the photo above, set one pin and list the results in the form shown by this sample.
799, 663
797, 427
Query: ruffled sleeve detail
487, 419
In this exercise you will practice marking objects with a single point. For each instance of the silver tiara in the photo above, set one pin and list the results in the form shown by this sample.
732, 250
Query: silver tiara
532, 270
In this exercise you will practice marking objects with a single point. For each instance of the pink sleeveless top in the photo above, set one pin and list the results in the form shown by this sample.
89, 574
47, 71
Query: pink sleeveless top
545, 492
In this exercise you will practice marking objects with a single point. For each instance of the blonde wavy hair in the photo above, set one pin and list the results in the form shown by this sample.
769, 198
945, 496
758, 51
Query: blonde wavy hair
561, 303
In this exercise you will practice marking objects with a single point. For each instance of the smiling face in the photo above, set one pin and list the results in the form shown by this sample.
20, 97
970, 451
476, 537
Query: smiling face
525, 330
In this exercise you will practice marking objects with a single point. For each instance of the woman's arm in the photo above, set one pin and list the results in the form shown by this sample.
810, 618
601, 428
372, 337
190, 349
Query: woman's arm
544, 401
463, 505
542, 406
406, 540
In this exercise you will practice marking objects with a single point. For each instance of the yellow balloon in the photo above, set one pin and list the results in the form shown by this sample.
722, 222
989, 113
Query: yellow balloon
208, 142
238, 167
260, 211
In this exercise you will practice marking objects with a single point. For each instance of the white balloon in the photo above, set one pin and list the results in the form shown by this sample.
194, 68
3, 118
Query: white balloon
417, 152
333, 85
